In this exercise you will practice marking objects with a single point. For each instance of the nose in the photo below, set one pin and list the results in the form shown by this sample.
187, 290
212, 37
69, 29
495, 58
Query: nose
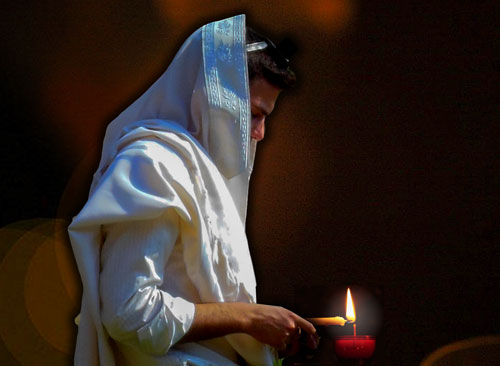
258, 128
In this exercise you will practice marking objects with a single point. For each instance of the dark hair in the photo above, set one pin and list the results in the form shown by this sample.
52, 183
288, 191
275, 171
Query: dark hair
271, 63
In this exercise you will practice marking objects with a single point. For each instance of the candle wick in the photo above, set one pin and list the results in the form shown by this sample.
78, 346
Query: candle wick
354, 327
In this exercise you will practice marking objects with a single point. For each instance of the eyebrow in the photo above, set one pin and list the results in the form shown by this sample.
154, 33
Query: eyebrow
263, 110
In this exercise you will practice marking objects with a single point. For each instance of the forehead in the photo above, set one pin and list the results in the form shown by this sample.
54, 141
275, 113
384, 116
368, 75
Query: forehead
263, 95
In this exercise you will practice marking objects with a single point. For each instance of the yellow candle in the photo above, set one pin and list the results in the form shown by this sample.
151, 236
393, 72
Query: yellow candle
337, 320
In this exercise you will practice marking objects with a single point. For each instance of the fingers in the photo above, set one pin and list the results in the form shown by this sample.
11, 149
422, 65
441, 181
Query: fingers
297, 333
312, 341
294, 344
312, 338
304, 324
290, 337
291, 349
291, 345
281, 328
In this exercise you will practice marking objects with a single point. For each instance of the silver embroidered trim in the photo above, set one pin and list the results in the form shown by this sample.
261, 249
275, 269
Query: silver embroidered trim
224, 53
244, 100
211, 75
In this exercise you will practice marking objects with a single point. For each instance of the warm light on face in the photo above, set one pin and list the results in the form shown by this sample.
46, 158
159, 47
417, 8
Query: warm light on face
350, 314
263, 97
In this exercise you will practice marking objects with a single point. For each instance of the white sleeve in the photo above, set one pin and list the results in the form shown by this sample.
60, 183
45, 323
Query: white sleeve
133, 308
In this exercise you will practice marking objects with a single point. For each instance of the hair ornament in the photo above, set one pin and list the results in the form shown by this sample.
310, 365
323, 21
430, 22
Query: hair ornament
256, 46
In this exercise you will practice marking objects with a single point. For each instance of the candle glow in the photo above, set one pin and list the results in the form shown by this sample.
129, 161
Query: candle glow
355, 346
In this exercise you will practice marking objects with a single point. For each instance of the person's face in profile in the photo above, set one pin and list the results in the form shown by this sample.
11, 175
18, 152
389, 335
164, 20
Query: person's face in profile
263, 97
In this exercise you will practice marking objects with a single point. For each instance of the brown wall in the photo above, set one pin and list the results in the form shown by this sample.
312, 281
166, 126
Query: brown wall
379, 171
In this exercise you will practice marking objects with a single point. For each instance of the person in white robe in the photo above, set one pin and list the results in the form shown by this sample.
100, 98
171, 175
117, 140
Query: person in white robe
160, 244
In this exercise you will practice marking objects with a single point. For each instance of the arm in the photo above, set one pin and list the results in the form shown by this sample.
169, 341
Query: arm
136, 311
272, 325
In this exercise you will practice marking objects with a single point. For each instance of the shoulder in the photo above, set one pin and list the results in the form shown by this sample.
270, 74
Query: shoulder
153, 157
149, 149
145, 178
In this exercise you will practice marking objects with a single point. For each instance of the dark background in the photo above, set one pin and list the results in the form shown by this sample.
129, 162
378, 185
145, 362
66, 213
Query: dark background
378, 172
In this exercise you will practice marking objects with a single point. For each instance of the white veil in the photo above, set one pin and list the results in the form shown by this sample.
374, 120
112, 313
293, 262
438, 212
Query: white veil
205, 91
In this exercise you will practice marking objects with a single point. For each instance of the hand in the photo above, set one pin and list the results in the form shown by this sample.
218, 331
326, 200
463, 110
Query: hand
272, 325
299, 340
279, 327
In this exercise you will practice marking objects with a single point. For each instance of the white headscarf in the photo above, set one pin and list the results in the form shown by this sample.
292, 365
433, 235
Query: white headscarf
205, 91
204, 94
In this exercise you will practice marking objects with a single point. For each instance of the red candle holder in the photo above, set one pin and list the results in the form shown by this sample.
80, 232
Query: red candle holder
358, 346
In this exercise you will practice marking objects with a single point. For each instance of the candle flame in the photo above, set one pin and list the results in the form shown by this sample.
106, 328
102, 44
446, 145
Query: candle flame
350, 314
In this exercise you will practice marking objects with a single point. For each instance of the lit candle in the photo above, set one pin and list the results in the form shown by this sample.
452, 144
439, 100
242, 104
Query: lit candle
354, 346
336, 320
